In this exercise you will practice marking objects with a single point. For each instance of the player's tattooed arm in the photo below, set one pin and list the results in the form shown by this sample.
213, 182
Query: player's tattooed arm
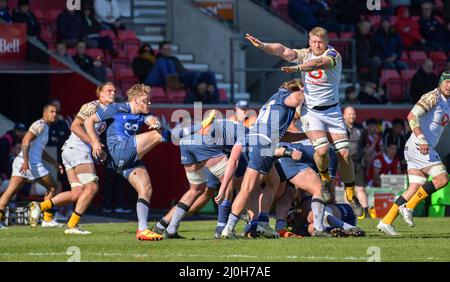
77, 128
275, 49
26, 141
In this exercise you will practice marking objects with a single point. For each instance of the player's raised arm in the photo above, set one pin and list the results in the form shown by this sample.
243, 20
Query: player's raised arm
275, 49
426, 103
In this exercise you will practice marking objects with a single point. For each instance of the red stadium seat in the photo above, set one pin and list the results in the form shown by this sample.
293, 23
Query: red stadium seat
48, 36
407, 76
159, 95
388, 75
223, 96
439, 59
121, 61
52, 15
40, 16
127, 38
95, 52
417, 58
395, 89
375, 20
177, 96
415, 18
279, 4
347, 35
124, 73
332, 35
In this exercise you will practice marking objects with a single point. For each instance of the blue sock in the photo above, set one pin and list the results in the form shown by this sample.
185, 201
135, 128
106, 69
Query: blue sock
224, 210
247, 228
253, 225
280, 224
263, 217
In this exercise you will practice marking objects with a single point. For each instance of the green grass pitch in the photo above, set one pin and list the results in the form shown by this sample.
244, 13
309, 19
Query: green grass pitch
428, 241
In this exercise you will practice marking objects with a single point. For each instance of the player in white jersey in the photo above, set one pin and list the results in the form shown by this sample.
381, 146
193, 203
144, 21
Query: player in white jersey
427, 119
28, 164
320, 66
80, 169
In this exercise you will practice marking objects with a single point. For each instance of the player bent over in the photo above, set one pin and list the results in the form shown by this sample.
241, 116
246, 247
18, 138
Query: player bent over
427, 119
77, 159
28, 164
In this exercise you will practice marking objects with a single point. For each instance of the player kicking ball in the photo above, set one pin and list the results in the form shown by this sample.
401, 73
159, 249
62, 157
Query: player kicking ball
427, 120
28, 166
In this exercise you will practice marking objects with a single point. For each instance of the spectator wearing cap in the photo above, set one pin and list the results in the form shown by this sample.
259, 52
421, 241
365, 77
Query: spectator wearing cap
143, 63
409, 30
7, 143
5, 15
243, 115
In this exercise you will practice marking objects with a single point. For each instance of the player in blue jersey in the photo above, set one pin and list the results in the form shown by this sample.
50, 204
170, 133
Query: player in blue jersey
273, 121
200, 153
127, 148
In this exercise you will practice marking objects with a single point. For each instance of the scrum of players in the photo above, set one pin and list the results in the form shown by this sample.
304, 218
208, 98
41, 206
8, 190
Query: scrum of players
282, 158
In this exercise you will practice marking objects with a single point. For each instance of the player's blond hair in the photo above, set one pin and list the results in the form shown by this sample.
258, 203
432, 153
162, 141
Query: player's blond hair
319, 32
138, 90
100, 87
293, 85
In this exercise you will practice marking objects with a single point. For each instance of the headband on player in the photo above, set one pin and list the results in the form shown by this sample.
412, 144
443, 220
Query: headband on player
444, 76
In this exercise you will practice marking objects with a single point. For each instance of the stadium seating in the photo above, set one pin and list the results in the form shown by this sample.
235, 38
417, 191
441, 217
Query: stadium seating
127, 38
176, 96
126, 78
417, 58
159, 95
439, 59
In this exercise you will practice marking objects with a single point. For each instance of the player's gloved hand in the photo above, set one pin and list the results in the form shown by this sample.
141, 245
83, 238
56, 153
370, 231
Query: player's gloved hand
24, 168
424, 147
255, 42
97, 149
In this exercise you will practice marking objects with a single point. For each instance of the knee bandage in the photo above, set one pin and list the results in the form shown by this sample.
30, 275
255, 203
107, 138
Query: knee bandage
320, 142
436, 170
417, 179
86, 178
218, 170
75, 184
342, 144
197, 177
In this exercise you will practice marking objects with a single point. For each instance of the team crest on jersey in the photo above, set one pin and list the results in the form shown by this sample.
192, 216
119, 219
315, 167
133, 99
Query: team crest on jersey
445, 120
318, 74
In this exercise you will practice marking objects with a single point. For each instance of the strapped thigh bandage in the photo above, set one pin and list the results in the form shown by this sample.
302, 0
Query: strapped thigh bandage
86, 178
320, 142
436, 170
342, 144
218, 170
416, 179
197, 177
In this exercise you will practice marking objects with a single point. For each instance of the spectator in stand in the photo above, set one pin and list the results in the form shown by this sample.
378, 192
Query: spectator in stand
143, 63
351, 97
69, 27
108, 13
423, 81
303, 13
356, 134
23, 14
61, 52
167, 65
4, 11
416, 6
409, 30
372, 140
94, 67
91, 28
395, 135
432, 30
370, 95
7, 143
389, 45
201, 93
367, 58
386, 163
349, 11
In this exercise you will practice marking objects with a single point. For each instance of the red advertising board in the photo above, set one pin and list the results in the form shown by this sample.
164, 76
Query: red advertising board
13, 42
